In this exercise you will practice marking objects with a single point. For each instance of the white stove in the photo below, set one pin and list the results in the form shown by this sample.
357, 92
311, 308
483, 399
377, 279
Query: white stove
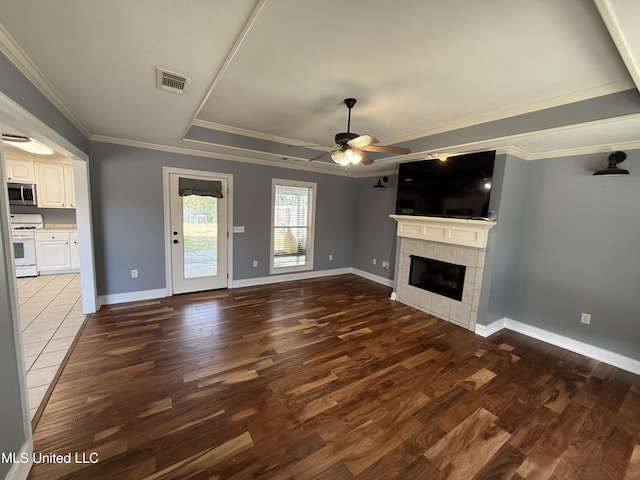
23, 227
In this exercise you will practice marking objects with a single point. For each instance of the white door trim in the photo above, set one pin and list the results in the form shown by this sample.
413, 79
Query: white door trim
166, 198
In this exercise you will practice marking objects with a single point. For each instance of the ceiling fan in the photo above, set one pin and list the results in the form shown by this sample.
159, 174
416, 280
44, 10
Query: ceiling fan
353, 147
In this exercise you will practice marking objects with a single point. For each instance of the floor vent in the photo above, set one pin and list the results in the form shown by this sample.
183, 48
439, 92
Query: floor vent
171, 81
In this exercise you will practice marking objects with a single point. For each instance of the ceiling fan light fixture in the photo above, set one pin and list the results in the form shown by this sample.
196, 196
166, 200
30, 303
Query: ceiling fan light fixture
338, 157
27, 144
346, 157
352, 156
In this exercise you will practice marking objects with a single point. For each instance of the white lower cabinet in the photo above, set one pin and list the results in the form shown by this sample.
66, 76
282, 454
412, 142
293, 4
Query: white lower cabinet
56, 252
75, 250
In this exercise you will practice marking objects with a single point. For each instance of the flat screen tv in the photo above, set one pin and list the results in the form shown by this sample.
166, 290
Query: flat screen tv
459, 187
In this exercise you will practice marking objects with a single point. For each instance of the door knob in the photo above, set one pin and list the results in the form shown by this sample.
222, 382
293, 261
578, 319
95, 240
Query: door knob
175, 233
175, 241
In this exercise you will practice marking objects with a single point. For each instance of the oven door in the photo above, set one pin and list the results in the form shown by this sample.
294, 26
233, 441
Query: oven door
24, 250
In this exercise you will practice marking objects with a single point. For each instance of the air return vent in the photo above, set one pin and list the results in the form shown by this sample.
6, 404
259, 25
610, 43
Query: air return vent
171, 81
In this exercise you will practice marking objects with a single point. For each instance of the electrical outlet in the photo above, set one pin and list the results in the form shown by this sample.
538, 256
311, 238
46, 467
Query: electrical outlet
331, 256
374, 261
255, 263
585, 318
134, 273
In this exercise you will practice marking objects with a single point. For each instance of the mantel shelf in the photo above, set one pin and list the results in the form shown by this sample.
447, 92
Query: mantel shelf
457, 231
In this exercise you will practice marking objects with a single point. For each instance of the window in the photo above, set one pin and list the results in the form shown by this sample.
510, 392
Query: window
292, 222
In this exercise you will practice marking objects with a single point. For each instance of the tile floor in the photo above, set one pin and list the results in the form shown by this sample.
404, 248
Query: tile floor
51, 315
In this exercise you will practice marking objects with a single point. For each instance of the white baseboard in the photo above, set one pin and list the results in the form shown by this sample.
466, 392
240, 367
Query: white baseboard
20, 469
59, 272
288, 277
132, 296
493, 327
374, 278
116, 298
597, 353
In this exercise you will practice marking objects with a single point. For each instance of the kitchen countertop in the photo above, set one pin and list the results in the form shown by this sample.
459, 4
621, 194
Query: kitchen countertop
58, 227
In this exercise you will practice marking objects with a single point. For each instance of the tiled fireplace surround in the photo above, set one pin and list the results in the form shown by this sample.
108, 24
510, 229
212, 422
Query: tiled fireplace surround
461, 242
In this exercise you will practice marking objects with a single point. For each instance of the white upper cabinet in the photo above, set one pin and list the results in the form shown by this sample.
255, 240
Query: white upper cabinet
54, 184
69, 189
19, 167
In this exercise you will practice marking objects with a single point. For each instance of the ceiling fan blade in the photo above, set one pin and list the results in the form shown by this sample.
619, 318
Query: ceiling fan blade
362, 141
321, 156
366, 159
383, 149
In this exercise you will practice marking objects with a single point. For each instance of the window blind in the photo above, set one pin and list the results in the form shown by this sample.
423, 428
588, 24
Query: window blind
291, 225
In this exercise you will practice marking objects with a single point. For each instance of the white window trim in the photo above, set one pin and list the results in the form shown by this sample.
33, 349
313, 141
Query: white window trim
312, 225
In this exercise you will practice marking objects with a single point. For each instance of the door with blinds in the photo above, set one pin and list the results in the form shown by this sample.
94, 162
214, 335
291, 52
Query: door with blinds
198, 233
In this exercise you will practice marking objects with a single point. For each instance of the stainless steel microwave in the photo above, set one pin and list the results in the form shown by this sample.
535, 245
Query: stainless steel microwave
22, 193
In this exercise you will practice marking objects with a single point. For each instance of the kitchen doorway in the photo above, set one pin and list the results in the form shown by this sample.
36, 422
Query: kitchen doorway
197, 222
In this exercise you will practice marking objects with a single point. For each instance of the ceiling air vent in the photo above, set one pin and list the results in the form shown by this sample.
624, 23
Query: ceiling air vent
171, 81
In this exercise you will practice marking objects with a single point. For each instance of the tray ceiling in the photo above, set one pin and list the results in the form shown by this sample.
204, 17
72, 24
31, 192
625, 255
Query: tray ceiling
267, 74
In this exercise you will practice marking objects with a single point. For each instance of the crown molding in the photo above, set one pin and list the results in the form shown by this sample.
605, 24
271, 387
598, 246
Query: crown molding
595, 92
258, 135
570, 152
219, 156
485, 144
515, 151
10, 48
624, 42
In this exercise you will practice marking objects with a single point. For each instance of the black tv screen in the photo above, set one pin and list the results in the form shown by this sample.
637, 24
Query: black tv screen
459, 187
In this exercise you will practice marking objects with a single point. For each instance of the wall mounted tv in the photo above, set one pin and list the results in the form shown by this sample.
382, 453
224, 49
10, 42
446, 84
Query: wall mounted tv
459, 187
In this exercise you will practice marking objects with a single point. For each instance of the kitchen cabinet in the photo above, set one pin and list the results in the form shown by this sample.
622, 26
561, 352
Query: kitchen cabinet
75, 251
19, 171
69, 188
55, 251
54, 184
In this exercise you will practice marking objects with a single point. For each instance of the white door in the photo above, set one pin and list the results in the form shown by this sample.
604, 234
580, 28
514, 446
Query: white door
198, 236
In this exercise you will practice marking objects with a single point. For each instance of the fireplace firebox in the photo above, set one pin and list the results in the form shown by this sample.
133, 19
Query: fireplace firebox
443, 278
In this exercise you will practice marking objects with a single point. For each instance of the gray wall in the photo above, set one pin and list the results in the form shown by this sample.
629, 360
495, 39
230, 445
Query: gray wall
375, 232
12, 433
508, 183
577, 251
126, 193
22, 91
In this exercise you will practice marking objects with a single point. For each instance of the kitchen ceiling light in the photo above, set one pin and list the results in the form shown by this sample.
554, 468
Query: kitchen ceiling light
612, 168
27, 144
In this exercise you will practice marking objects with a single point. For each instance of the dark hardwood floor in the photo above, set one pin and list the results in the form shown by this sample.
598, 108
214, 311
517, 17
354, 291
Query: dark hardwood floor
329, 379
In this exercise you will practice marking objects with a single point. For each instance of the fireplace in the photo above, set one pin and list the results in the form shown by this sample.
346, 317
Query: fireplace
439, 277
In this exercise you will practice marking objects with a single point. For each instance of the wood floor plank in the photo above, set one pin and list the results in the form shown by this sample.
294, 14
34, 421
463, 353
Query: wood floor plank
633, 470
328, 379
452, 454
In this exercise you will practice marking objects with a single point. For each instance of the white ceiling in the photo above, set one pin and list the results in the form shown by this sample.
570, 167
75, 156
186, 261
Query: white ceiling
278, 70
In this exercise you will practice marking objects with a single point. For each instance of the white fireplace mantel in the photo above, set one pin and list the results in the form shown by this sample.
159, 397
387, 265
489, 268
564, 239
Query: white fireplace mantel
457, 231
